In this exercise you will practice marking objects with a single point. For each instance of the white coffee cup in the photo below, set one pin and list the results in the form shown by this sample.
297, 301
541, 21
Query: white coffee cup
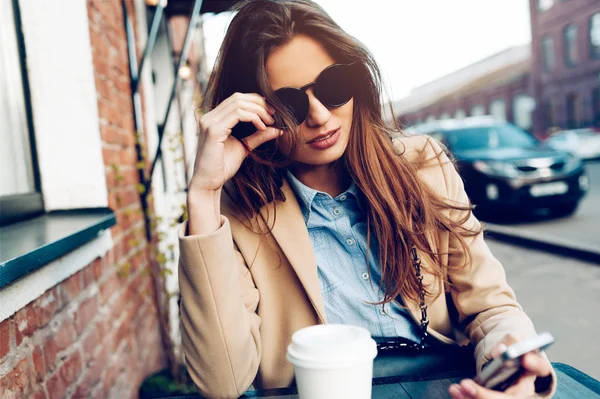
333, 361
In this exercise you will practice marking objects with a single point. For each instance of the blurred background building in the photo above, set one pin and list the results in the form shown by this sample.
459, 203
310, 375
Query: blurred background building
551, 84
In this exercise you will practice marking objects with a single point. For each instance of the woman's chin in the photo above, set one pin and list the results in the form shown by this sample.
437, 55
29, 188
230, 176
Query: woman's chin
325, 158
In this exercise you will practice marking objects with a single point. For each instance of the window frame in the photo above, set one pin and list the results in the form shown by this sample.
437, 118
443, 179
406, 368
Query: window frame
596, 107
594, 50
569, 46
573, 106
547, 64
20, 207
493, 104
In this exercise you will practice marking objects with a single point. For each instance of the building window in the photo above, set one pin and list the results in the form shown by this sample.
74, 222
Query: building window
460, 114
550, 113
19, 185
595, 36
547, 54
573, 111
596, 107
498, 109
523, 105
544, 5
478, 110
570, 45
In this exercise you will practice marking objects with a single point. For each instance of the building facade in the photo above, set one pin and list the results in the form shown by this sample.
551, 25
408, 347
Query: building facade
497, 85
565, 70
83, 312
555, 86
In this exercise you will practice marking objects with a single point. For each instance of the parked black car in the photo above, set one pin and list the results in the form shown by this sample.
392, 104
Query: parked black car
508, 171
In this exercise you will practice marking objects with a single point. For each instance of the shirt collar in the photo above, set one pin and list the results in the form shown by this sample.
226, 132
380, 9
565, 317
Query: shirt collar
306, 195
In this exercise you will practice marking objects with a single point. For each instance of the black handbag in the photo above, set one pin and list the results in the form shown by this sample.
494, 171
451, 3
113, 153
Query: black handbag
402, 357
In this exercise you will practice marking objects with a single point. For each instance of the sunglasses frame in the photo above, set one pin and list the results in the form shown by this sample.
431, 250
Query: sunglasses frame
311, 84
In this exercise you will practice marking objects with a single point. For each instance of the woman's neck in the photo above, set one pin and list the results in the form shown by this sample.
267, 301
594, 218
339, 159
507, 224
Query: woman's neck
332, 179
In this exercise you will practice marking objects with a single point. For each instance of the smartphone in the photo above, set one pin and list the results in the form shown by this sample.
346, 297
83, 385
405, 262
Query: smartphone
504, 370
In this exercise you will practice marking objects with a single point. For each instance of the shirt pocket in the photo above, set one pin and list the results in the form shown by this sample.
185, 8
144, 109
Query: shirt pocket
330, 260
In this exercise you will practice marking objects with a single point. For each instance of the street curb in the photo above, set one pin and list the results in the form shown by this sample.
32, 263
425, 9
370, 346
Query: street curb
544, 243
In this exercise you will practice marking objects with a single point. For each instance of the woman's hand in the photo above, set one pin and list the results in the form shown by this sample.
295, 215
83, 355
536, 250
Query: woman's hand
219, 155
535, 365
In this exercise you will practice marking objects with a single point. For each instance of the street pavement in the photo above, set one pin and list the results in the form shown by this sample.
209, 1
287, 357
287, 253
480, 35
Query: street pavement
561, 295
578, 231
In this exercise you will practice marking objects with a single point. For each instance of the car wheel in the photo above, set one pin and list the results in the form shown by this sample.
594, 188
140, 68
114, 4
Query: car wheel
565, 209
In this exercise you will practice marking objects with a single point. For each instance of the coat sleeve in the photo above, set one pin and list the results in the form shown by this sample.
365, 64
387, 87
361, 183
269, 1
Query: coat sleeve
486, 304
219, 325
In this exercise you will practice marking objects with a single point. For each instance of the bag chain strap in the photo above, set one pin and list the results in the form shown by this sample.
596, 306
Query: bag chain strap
394, 343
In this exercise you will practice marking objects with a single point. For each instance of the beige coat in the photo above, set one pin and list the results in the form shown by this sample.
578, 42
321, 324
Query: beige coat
238, 320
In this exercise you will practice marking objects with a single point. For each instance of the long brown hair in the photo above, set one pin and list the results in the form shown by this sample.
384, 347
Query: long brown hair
401, 210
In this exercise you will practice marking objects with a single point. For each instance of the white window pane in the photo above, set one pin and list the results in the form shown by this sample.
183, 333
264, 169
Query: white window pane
478, 110
498, 109
523, 106
595, 30
544, 5
460, 114
16, 175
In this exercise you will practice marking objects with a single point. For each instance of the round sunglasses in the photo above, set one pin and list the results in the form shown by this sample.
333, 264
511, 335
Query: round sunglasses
333, 87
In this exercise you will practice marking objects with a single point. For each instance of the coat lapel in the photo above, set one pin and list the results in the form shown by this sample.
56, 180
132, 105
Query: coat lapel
292, 236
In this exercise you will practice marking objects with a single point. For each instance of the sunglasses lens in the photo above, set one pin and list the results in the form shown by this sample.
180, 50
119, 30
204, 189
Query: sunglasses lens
296, 101
335, 86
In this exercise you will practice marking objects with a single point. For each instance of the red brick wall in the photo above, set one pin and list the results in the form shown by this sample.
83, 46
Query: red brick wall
95, 334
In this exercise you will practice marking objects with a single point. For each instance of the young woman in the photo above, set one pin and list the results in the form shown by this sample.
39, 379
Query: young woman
325, 214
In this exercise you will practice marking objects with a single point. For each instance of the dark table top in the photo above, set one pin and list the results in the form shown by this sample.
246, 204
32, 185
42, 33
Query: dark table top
572, 383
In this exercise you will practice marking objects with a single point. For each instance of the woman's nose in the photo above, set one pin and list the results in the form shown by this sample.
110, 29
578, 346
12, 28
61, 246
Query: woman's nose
318, 114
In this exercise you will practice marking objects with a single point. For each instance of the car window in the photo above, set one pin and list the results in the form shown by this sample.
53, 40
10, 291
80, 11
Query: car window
485, 137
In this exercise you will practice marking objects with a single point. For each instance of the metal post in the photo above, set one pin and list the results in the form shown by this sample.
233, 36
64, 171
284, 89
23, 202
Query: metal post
194, 17
149, 44
137, 112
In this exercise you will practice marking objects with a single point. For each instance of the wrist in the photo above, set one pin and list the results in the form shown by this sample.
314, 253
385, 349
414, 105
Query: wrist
202, 196
204, 211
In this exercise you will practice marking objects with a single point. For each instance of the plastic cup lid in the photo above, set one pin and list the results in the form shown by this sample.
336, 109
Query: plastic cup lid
331, 345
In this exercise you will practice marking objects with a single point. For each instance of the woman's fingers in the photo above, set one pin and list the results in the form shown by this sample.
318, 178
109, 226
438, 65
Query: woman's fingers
241, 115
501, 345
537, 364
250, 102
261, 137
230, 115
468, 389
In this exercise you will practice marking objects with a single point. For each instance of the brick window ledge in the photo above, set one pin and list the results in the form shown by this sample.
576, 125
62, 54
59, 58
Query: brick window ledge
29, 245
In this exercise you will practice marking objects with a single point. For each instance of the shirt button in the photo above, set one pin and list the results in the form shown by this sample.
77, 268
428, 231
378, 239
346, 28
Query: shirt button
350, 241
343, 197
365, 275
337, 211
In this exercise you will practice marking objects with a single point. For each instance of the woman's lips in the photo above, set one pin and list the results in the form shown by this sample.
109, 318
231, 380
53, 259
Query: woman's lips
327, 142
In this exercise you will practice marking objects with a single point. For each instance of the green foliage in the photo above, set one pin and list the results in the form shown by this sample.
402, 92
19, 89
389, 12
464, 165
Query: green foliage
162, 384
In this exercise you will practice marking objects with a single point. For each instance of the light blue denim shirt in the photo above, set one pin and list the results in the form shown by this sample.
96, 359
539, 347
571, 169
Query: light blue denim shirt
338, 232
